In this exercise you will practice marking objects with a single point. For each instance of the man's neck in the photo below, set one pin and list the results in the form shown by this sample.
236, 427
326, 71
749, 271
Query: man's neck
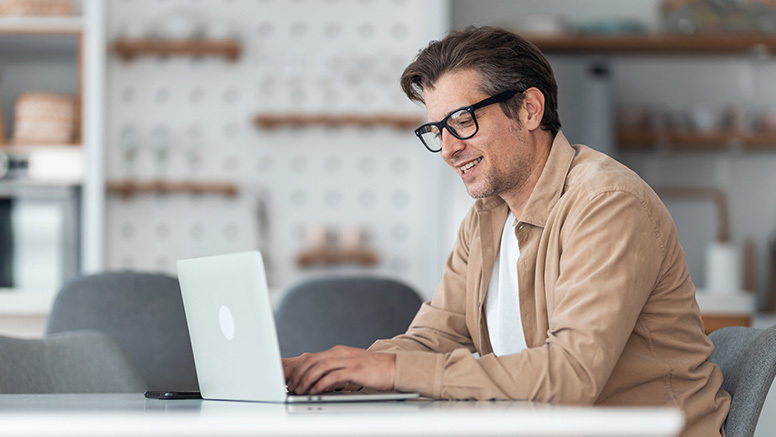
517, 199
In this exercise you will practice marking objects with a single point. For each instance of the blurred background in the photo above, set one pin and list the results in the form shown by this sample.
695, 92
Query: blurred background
138, 132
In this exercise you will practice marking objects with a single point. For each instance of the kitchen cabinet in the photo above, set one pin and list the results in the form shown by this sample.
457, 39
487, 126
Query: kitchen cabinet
56, 55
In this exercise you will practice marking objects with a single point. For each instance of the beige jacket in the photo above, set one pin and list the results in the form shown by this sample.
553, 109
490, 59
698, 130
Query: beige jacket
607, 305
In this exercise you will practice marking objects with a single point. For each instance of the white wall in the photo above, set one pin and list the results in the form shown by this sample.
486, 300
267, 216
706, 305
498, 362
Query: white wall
299, 57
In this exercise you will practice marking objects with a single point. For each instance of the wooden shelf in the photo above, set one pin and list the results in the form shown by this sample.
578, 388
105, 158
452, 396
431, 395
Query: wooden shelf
655, 44
335, 256
25, 149
273, 121
132, 188
130, 48
41, 25
633, 140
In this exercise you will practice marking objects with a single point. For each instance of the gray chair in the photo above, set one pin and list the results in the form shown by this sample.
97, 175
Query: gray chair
747, 358
143, 313
71, 362
352, 311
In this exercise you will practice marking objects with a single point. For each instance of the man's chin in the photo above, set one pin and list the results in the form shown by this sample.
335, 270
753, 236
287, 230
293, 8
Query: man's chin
477, 193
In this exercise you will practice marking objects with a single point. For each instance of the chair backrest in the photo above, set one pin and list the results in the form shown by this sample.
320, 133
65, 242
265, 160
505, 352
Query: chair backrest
143, 313
70, 362
352, 311
747, 358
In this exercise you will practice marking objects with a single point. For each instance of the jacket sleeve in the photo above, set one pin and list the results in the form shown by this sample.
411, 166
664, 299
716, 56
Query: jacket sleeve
440, 326
609, 264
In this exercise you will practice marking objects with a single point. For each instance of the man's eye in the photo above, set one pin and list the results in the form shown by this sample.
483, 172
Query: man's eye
461, 118
462, 123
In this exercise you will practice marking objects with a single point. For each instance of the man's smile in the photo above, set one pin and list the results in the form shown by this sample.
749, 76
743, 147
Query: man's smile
467, 167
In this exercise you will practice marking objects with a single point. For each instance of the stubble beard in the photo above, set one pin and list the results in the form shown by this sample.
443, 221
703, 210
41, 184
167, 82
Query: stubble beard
499, 181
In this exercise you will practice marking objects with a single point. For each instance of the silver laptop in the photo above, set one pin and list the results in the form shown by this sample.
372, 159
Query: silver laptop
233, 335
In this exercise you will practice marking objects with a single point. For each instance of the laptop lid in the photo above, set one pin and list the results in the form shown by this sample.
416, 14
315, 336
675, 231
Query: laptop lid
233, 335
232, 329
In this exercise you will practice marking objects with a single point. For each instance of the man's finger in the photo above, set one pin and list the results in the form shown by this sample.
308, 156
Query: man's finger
337, 378
317, 370
301, 371
306, 361
289, 364
296, 371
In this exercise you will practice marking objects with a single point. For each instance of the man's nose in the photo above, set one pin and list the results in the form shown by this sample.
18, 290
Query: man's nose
450, 145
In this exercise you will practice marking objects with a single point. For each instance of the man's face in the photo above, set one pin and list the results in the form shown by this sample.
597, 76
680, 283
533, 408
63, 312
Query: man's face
495, 161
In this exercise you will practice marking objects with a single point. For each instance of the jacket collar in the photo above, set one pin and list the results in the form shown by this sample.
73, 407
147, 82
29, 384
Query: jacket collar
548, 188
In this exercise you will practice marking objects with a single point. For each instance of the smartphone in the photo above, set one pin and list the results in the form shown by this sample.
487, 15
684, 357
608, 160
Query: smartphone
153, 394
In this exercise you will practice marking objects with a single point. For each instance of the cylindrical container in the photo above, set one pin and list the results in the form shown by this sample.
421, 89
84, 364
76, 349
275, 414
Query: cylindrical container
599, 121
723, 268
44, 119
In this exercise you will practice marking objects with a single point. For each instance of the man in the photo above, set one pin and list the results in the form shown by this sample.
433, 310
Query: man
566, 279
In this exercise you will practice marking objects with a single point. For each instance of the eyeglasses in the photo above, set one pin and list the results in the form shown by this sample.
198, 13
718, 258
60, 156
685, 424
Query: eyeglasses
461, 123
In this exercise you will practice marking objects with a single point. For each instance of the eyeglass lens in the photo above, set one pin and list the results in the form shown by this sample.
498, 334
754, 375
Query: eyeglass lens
460, 124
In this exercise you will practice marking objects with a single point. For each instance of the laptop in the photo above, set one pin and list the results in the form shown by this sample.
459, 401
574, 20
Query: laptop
233, 336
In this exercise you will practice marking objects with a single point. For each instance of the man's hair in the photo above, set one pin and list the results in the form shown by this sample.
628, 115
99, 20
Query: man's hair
504, 60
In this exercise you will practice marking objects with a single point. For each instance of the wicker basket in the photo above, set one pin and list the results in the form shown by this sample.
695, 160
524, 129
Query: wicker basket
56, 8
44, 119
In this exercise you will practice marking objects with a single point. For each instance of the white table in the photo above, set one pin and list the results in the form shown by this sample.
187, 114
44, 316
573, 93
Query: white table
133, 415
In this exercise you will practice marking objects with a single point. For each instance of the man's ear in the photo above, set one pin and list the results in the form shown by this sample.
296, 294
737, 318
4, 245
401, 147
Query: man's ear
532, 111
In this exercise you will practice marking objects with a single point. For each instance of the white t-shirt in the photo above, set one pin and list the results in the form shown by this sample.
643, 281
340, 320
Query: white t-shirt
502, 305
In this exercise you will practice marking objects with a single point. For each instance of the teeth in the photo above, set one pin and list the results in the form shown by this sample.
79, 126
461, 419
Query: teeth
468, 166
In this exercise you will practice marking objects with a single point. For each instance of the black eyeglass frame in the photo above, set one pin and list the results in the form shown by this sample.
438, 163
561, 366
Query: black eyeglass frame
498, 98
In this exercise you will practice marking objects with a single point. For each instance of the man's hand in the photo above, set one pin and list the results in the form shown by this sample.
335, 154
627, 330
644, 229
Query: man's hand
337, 368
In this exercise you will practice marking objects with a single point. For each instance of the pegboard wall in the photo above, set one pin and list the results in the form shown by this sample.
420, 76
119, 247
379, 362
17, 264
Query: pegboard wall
175, 118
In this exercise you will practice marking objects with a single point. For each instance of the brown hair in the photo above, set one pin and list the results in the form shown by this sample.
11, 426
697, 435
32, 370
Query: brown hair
505, 61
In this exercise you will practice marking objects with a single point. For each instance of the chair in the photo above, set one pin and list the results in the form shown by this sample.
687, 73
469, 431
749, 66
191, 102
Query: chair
71, 362
353, 311
747, 358
143, 313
